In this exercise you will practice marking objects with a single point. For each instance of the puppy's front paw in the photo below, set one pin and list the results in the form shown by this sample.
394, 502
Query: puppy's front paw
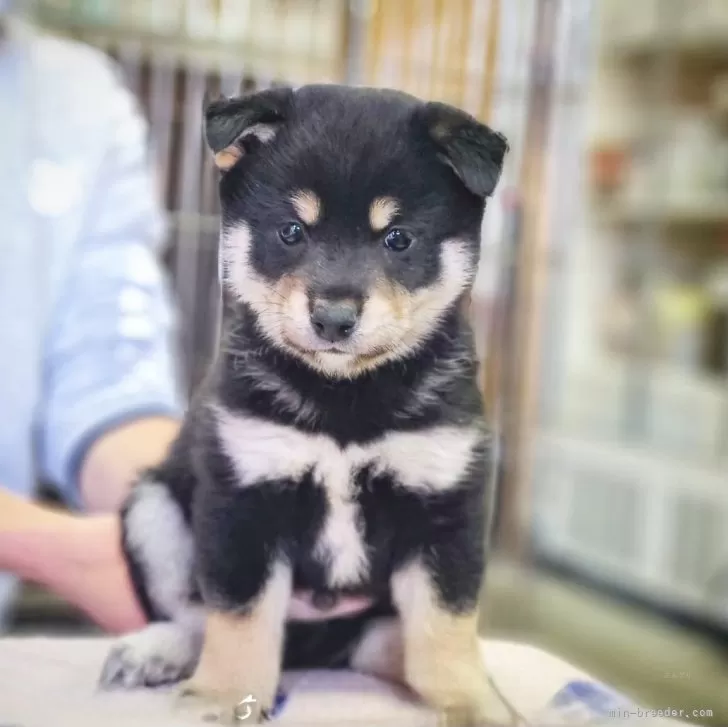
205, 703
461, 693
160, 654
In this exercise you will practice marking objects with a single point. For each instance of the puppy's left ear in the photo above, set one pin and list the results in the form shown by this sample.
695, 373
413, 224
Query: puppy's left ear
473, 150
234, 126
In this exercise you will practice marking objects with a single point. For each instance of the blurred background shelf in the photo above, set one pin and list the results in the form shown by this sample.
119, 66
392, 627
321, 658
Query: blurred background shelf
698, 46
655, 29
217, 35
709, 212
627, 514
630, 473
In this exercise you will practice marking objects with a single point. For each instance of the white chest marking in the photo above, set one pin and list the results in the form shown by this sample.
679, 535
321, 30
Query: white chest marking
433, 460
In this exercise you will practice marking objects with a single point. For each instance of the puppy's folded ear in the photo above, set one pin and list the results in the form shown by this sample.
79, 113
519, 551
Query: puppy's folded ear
473, 150
233, 126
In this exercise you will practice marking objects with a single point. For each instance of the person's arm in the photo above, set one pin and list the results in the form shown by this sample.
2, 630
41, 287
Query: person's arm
111, 401
115, 459
79, 558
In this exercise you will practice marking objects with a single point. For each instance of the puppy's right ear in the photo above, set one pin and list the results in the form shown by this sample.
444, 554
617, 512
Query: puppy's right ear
234, 125
471, 149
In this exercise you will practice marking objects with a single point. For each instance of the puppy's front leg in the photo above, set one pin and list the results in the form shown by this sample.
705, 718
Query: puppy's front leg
237, 675
442, 659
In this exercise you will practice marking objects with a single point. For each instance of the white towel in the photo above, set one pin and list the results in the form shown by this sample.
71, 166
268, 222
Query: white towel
51, 682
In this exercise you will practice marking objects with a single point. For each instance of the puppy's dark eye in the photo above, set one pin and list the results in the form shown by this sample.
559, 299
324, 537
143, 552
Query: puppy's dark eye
397, 240
291, 233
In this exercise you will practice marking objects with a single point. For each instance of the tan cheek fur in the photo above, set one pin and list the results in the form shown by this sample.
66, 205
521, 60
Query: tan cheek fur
394, 317
282, 308
293, 301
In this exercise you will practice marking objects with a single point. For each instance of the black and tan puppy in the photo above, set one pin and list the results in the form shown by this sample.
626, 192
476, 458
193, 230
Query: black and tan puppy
338, 444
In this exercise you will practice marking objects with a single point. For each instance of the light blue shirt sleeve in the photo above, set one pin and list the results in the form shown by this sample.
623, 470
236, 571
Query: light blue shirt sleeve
110, 353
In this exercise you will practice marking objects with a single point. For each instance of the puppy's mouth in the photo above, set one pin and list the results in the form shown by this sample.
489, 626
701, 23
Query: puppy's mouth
324, 349
362, 356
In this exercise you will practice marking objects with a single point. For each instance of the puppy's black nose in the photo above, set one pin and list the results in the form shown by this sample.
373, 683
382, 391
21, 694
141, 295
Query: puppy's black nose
334, 320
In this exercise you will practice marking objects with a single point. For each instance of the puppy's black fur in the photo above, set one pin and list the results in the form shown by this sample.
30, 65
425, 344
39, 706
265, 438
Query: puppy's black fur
413, 374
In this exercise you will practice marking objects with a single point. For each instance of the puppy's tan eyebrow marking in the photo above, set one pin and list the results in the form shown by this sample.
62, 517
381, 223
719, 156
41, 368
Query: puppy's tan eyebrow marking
307, 206
381, 212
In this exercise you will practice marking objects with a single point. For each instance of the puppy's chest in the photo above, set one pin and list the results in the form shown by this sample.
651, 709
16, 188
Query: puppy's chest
359, 481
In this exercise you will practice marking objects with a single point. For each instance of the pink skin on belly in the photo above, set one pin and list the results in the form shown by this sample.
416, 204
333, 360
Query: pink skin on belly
301, 607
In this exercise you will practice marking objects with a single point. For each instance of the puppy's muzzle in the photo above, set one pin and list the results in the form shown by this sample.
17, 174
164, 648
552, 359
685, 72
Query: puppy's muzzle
334, 320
